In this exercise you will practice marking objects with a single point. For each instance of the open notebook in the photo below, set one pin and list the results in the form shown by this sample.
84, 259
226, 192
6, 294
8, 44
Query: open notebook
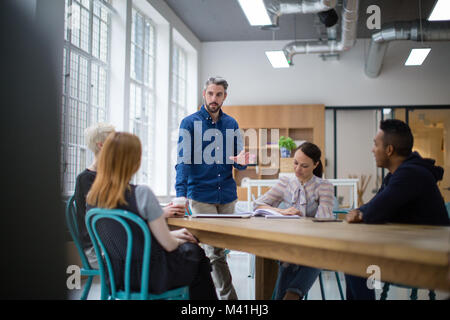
267, 213
272, 214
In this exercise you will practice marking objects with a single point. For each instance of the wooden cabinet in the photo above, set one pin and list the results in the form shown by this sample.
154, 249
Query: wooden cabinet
262, 126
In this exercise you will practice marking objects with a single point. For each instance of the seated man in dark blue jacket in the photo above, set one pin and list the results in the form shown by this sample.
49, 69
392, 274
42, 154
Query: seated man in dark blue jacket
409, 193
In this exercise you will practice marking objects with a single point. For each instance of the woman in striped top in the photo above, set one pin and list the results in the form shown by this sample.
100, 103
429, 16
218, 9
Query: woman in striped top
307, 195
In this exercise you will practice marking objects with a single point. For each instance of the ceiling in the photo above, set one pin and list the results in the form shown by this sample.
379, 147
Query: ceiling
224, 20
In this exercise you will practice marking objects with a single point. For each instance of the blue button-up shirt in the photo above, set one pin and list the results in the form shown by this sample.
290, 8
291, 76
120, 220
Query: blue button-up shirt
204, 172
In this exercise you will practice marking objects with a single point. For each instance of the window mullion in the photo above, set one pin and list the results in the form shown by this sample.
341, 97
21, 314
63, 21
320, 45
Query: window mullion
79, 105
89, 77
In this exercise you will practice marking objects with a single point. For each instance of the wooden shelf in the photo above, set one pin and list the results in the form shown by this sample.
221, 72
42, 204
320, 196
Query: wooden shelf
269, 122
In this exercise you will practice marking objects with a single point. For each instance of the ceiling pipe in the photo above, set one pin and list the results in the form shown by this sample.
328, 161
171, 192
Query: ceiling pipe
347, 41
416, 30
279, 9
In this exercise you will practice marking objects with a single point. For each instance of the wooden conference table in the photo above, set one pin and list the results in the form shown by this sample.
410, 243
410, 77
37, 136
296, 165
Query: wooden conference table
412, 255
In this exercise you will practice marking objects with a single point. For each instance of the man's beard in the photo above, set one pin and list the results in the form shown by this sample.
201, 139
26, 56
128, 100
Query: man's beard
213, 107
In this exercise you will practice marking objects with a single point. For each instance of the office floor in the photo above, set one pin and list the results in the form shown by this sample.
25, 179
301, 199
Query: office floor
243, 281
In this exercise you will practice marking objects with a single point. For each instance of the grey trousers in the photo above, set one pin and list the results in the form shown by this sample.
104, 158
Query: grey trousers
220, 272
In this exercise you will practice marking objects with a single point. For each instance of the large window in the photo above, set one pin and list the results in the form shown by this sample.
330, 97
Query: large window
178, 105
125, 63
85, 81
142, 90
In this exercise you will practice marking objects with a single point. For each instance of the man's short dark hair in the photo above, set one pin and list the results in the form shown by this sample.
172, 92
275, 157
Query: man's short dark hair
398, 134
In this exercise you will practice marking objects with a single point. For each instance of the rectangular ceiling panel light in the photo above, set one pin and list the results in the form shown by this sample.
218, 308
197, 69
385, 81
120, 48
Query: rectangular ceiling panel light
441, 11
256, 12
277, 59
417, 56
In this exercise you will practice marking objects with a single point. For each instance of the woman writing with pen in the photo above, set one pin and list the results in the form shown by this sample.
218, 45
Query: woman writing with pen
307, 195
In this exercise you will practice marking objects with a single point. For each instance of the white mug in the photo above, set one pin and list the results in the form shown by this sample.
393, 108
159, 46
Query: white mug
179, 201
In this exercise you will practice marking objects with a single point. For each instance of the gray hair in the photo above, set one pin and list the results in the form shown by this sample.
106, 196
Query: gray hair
218, 81
97, 133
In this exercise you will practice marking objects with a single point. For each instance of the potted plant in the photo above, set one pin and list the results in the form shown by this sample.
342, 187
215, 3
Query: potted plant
286, 145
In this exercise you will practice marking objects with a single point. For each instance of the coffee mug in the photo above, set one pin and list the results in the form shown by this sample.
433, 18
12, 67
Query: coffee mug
179, 201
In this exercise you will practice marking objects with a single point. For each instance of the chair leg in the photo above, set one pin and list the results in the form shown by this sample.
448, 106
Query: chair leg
385, 291
413, 294
322, 291
251, 271
341, 293
87, 287
105, 293
432, 295
274, 292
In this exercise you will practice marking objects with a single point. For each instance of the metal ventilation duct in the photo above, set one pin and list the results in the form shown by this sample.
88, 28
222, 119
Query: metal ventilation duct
409, 30
279, 9
348, 36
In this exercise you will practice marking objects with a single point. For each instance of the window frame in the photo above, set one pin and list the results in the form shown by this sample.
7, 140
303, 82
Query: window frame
174, 108
82, 156
146, 89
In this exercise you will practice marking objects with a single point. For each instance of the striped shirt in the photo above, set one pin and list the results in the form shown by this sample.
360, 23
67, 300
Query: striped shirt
313, 199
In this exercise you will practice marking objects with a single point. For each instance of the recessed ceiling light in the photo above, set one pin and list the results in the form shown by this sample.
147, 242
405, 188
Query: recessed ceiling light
441, 11
277, 59
417, 56
255, 11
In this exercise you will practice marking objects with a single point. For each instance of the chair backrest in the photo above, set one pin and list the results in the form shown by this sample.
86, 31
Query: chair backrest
124, 218
71, 220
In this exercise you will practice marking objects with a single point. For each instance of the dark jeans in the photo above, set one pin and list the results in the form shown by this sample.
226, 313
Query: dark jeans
295, 278
357, 288
202, 286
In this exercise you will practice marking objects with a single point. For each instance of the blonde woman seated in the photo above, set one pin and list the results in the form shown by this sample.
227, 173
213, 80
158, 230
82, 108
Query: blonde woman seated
307, 195
95, 137
176, 258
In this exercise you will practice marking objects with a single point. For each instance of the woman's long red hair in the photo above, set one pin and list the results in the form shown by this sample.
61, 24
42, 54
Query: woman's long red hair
119, 160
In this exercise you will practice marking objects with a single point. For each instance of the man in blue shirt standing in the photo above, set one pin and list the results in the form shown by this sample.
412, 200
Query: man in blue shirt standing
209, 145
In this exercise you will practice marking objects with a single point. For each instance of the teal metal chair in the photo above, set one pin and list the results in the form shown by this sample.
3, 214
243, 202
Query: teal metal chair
336, 212
124, 218
86, 269
322, 291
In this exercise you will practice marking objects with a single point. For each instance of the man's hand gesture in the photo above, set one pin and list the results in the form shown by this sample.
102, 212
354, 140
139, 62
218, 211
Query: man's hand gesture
244, 158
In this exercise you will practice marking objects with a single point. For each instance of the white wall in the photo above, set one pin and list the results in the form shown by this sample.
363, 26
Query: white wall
354, 140
252, 79
119, 71
193, 49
